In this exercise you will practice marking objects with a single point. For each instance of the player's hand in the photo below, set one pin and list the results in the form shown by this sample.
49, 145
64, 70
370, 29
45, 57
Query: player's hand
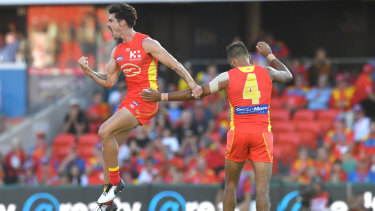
83, 63
197, 91
150, 95
263, 48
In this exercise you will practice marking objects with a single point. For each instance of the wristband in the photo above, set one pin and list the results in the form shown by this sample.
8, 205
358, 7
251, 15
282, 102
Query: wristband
271, 57
164, 96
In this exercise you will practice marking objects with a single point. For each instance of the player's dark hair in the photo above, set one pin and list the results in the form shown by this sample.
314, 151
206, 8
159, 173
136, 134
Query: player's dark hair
236, 50
125, 12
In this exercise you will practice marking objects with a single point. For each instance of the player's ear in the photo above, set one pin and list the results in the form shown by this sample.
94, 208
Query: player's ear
232, 62
123, 23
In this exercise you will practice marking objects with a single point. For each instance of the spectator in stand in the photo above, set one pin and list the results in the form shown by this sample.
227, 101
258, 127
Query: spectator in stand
349, 164
174, 175
318, 97
215, 157
341, 99
39, 149
189, 147
29, 178
339, 140
201, 174
73, 165
141, 137
98, 112
297, 68
75, 122
323, 163
157, 125
337, 174
300, 166
362, 174
181, 82
186, 126
209, 75
174, 112
8, 53
368, 143
13, 163
279, 49
361, 126
321, 66
364, 91
75, 175
294, 97
47, 169
320, 199
115, 96
202, 118
94, 167
170, 142
149, 172
2, 169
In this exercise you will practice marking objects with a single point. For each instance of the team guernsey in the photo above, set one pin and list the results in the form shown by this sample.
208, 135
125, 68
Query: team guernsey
140, 70
249, 95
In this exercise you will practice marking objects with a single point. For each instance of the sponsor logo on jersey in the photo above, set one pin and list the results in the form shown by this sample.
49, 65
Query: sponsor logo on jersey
257, 109
130, 70
119, 58
135, 55
135, 103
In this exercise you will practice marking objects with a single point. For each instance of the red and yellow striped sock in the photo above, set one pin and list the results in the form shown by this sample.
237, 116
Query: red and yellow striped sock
114, 176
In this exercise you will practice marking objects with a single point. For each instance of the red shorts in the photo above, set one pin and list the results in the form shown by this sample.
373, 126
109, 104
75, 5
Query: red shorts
143, 111
256, 147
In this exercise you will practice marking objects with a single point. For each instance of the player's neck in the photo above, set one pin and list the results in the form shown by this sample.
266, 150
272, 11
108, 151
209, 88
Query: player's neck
128, 35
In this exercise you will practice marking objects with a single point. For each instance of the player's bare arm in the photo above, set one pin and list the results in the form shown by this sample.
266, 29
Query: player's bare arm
281, 73
106, 79
154, 48
219, 83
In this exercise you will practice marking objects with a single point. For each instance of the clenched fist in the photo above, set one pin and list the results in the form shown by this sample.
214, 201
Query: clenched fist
83, 63
263, 48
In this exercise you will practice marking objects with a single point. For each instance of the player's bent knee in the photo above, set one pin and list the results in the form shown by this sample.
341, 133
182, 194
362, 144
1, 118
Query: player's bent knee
103, 133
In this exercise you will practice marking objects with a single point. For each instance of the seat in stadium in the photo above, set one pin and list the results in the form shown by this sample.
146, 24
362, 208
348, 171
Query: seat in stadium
279, 115
64, 139
327, 114
308, 139
304, 114
276, 103
325, 125
281, 126
286, 137
88, 139
285, 152
306, 125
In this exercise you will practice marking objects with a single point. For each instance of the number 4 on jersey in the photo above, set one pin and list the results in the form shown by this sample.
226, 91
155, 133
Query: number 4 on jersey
250, 90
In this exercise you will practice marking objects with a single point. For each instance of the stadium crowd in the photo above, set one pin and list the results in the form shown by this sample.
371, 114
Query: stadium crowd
320, 130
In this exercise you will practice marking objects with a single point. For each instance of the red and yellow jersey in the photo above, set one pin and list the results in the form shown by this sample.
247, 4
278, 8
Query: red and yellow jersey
139, 67
249, 95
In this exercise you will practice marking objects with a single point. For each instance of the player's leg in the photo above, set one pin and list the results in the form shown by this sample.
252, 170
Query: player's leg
120, 139
121, 122
261, 152
263, 173
232, 176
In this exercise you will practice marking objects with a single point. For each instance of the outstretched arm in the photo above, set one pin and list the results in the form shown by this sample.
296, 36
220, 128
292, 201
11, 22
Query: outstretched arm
281, 73
154, 48
219, 83
108, 78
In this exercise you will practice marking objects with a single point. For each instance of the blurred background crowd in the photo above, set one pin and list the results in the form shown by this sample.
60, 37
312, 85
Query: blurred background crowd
323, 122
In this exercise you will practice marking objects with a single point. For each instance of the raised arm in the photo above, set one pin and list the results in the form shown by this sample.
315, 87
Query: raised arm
106, 79
281, 73
220, 82
154, 48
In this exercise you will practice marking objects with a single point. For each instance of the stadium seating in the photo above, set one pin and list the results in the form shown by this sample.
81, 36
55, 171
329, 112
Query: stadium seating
279, 115
62, 144
304, 114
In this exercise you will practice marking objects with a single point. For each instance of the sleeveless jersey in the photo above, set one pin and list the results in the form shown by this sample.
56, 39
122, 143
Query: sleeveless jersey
249, 95
139, 68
